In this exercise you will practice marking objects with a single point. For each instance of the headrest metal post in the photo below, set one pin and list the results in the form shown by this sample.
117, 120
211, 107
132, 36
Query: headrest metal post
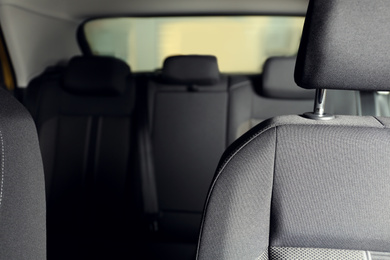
319, 104
319, 107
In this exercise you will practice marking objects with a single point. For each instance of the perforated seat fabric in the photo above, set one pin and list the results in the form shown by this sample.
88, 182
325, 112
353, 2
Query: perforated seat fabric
22, 190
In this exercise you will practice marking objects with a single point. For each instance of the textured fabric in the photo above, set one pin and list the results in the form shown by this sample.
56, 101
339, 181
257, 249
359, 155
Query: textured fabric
96, 76
264, 256
327, 170
345, 45
237, 217
287, 253
22, 190
191, 69
278, 80
327, 180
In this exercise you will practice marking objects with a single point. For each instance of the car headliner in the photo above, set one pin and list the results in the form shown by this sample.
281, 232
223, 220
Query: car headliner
82, 9
40, 33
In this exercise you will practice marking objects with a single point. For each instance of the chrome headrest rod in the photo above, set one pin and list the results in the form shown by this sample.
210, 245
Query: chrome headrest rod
319, 107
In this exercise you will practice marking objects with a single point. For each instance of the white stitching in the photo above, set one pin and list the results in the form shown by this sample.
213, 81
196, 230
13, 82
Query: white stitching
2, 167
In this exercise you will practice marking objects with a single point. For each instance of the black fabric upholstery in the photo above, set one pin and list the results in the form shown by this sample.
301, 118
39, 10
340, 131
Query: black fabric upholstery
344, 45
22, 190
191, 69
173, 131
96, 76
87, 145
188, 135
278, 80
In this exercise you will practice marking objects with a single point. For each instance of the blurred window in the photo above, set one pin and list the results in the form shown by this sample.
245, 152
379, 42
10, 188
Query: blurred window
241, 43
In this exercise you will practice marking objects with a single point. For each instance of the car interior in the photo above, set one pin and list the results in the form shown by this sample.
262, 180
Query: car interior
209, 129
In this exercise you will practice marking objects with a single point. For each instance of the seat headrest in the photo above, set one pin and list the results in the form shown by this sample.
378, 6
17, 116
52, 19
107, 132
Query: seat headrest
96, 76
345, 45
191, 69
278, 80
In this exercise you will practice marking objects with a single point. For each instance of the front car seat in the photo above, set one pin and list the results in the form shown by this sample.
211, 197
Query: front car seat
22, 188
313, 186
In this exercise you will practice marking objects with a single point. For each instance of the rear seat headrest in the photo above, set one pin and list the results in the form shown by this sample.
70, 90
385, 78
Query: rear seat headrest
96, 76
191, 69
278, 80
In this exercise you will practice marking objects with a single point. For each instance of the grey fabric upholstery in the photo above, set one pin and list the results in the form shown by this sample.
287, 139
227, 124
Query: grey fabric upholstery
298, 188
22, 190
317, 253
278, 80
284, 184
87, 144
345, 50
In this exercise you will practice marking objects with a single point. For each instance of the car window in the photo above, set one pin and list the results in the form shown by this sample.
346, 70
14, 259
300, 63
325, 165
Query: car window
7, 79
241, 43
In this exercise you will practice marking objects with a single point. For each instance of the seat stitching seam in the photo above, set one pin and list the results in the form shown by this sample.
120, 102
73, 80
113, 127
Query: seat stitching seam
262, 131
228, 159
272, 189
2, 167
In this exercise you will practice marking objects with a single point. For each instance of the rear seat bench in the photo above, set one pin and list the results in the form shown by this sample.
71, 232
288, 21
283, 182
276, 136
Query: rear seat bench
186, 117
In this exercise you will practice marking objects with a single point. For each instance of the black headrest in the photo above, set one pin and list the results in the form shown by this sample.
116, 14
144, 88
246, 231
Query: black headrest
96, 76
191, 69
278, 80
345, 45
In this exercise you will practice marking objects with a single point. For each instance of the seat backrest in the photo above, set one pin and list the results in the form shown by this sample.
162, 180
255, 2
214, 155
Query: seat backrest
298, 188
22, 190
188, 105
84, 120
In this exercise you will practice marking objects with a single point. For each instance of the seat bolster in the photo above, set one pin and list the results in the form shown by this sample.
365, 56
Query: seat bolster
236, 227
22, 192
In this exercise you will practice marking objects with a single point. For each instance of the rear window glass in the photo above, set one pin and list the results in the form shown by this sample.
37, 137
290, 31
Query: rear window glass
241, 44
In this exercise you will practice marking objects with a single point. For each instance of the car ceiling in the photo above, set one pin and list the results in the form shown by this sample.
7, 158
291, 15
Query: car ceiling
81, 9
41, 33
